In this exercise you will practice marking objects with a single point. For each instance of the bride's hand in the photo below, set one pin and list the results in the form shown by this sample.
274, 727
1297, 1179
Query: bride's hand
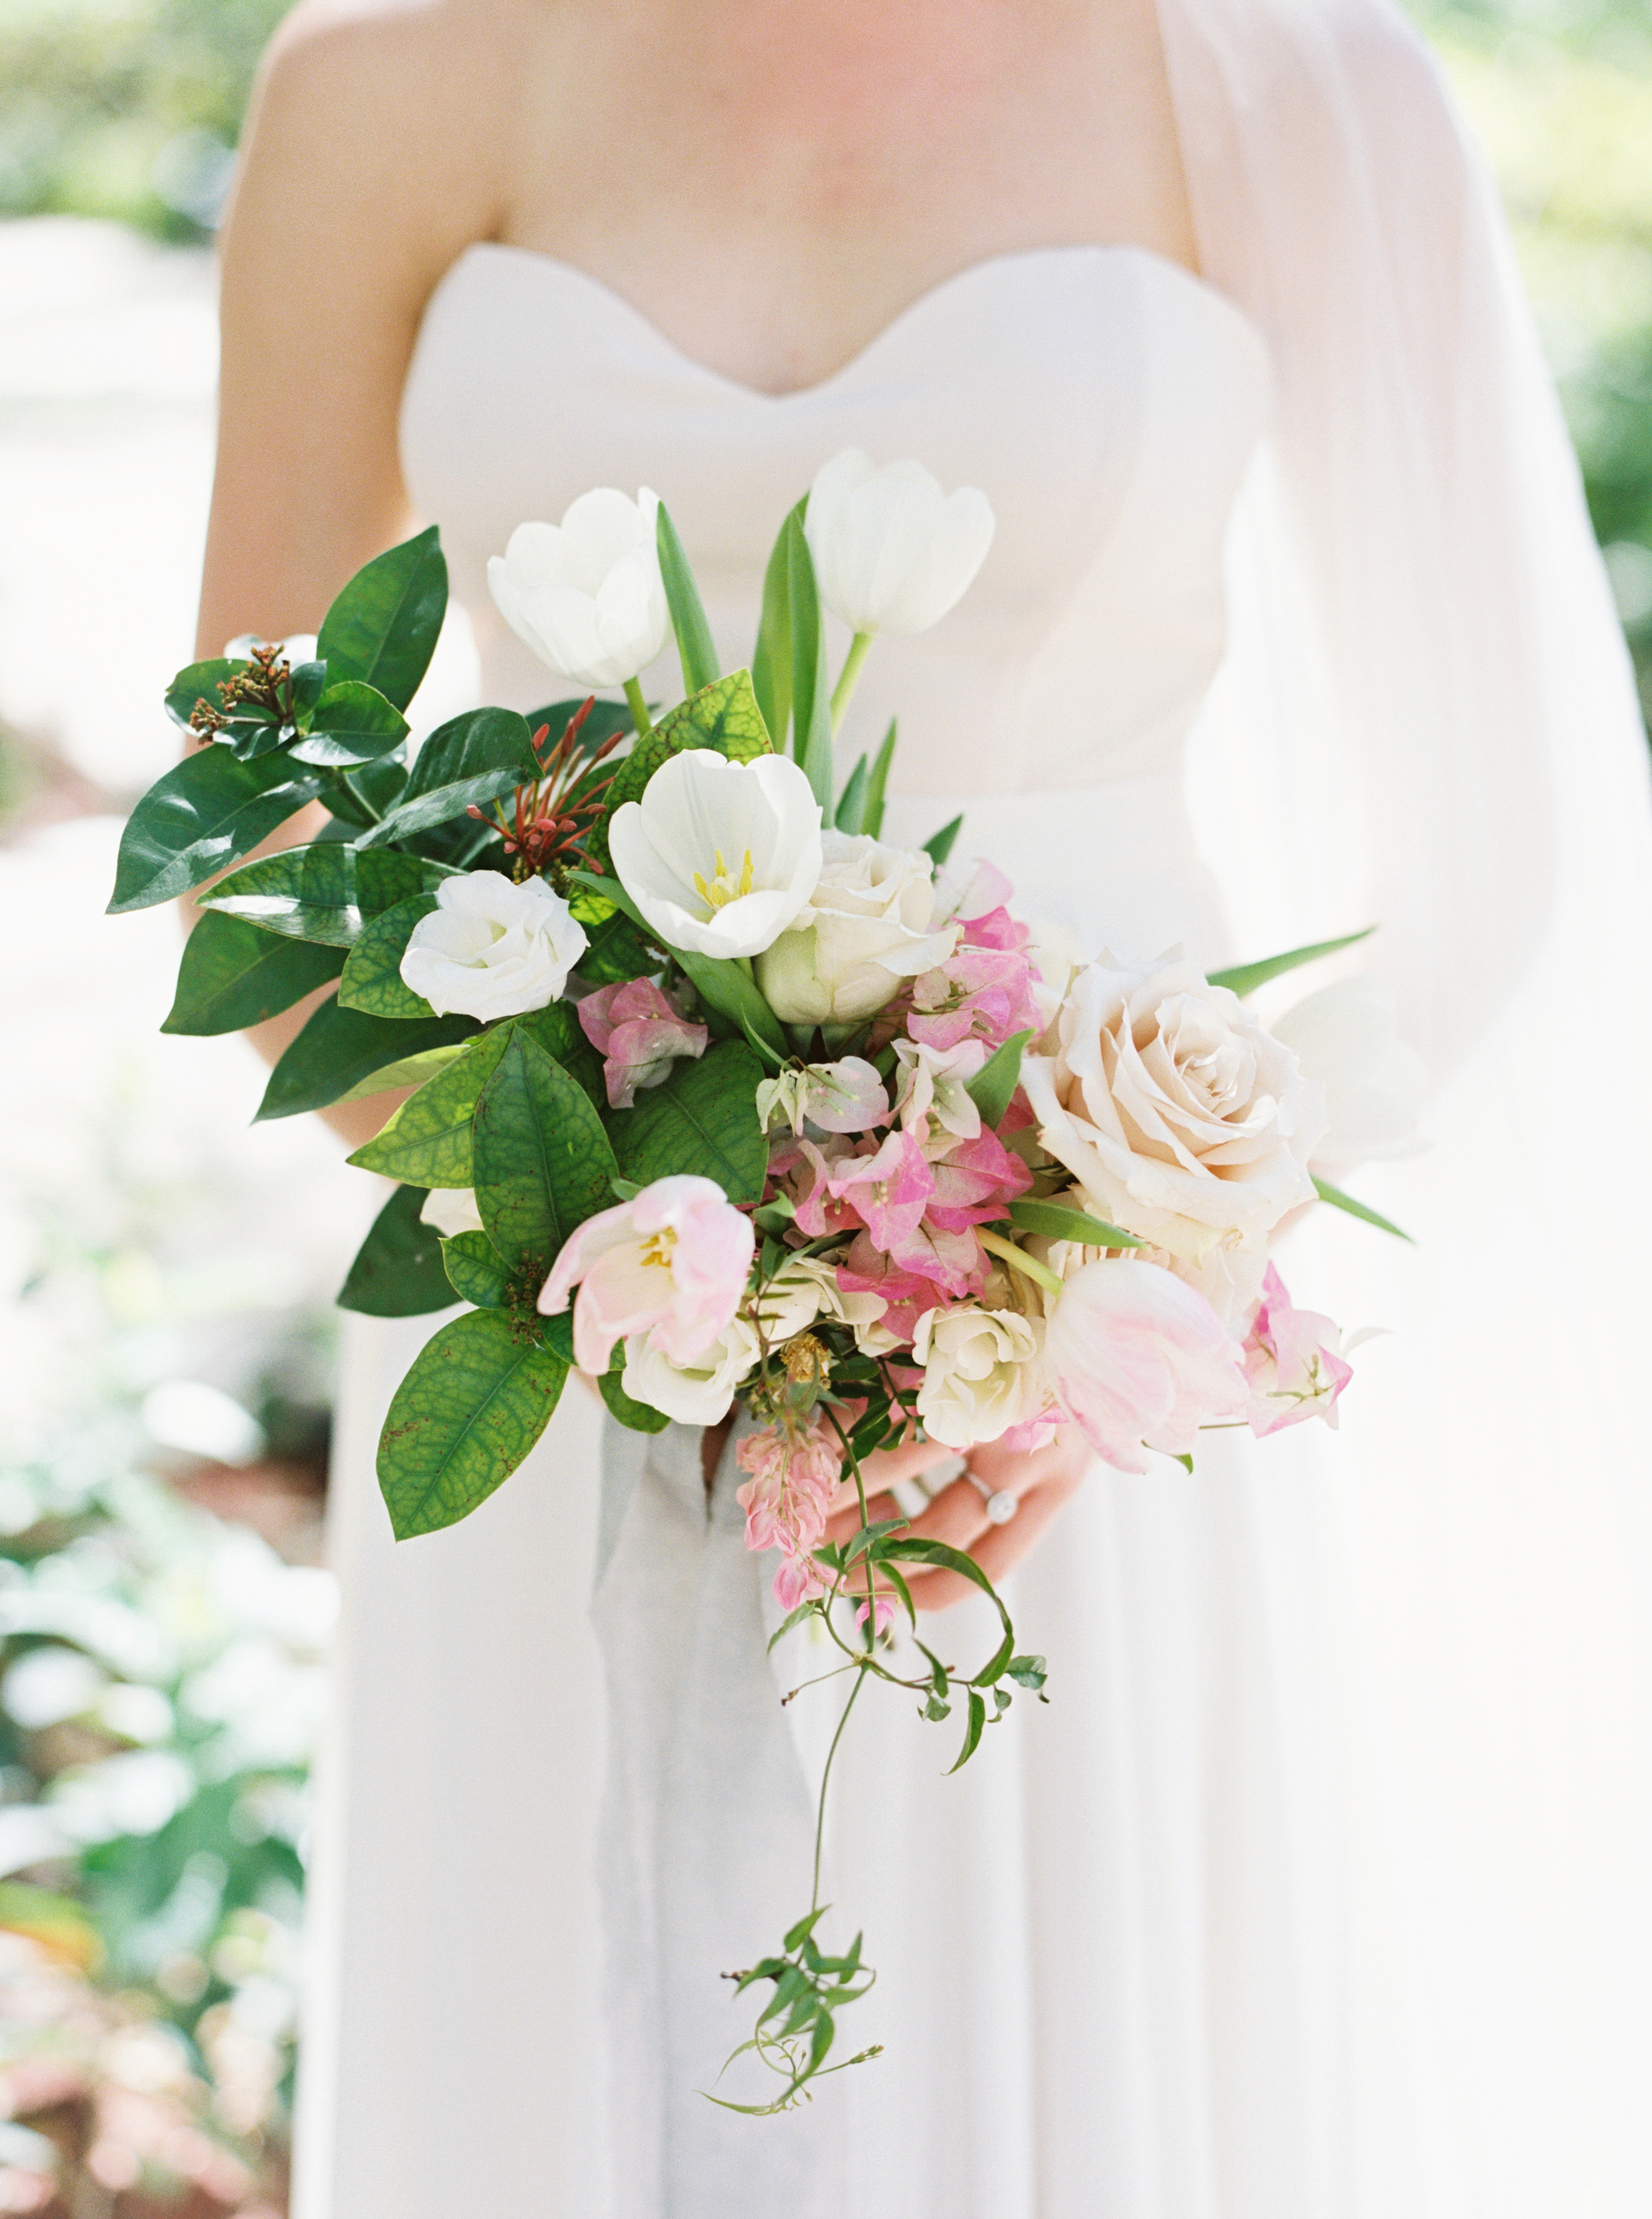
1040, 1482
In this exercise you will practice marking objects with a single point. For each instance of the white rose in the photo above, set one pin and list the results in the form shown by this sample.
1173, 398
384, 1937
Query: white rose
981, 1373
697, 1393
451, 1209
891, 551
867, 926
1182, 1119
719, 856
586, 595
491, 948
1374, 1082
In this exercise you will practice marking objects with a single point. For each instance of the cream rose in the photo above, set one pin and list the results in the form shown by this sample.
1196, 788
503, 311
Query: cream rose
981, 1373
1182, 1119
868, 925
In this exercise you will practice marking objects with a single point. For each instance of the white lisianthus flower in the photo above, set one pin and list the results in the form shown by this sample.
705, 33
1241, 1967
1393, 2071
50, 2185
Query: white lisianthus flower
868, 925
1344, 1036
491, 948
982, 1373
586, 595
719, 856
451, 1209
700, 1392
1181, 1118
891, 551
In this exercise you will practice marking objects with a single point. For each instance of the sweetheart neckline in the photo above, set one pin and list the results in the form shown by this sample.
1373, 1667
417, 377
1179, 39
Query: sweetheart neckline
1200, 287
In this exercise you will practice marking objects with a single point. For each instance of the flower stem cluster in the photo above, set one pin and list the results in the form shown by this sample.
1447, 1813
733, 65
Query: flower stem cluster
553, 816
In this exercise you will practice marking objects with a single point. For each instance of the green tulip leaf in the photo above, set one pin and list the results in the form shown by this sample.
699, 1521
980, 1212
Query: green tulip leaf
771, 666
940, 844
475, 758
1051, 1221
871, 815
852, 802
704, 1121
472, 1264
478, 1397
372, 978
232, 976
1245, 978
337, 1049
353, 723
543, 1160
325, 893
206, 813
993, 1087
383, 628
695, 647
427, 1141
1363, 1210
398, 1268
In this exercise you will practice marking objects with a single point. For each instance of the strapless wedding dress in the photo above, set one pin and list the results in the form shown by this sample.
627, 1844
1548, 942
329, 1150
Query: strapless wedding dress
1137, 1960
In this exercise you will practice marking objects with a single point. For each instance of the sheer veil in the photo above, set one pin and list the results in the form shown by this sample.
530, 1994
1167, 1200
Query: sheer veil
1427, 719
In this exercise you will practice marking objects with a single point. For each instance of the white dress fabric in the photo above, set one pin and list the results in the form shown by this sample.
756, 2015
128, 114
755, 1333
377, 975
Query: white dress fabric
1319, 1889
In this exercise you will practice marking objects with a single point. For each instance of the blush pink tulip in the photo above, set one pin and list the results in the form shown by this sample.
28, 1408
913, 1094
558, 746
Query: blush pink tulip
1294, 1361
1139, 1359
673, 1262
638, 1036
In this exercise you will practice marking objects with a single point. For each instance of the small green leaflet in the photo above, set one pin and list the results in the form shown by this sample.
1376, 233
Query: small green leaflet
993, 1087
398, 1268
472, 1266
1052, 1221
1245, 978
372, 978
353, 723
636, 1417
1339, 1200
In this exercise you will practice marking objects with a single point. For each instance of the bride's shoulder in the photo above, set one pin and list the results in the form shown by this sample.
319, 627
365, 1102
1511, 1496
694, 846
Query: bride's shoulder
406, 63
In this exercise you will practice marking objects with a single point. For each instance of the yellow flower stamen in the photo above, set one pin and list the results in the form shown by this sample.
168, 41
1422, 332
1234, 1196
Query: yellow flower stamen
657, 1248
724, 887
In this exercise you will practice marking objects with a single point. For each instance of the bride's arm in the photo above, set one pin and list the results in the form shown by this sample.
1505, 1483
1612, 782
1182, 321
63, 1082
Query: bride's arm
372, 157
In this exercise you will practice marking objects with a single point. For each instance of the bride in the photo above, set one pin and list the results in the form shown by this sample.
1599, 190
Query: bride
1320, 1889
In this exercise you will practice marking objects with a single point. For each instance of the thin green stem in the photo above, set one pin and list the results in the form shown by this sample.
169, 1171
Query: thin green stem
849, 678
1019, 1260
359, 797
825, 1781
639, 708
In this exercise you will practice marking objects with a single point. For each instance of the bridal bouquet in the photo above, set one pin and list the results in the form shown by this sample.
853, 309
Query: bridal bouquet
719, 1099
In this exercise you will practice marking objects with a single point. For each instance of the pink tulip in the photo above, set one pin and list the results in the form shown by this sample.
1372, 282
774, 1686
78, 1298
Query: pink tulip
674, 1261
1294, 1362
1140, 1359
638, 1034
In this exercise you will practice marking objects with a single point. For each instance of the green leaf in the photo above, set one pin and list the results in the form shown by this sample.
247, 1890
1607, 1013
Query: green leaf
971, 1731
938, 848
206, 813
1053, 1222
372, 978
324, 893
543, 1161
476, 758
473, 1267
427, 1141
771, 666
637, 1417
409, 1071
337, 1049
353, 723
723, 715
616, 951
1028, 1671
852, 802
811, 704
873, 817
694, 643
398, 1268
383, 627
1339, 1200
478, 1397
703, 1120
360, 798
995, 1083
1245, 978
231, 975
558, 1031
725, 986
199, 682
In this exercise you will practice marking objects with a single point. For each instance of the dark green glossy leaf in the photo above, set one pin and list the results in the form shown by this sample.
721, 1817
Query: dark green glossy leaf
558, 1031
703, 1120
472, 1265
428, 1138
340, 1047
995, 1083
636, 1417
873, 815
309, 682
199, 682
353, 723
361, 797
476, 758
323, 893
398, 1268
231, 975
616, 951
1052, 1221
1245, 978
478, 1397
604, 720
206, 813
372, 978
694, 642
1364, 1211
941, 846
383, 627
543, 1161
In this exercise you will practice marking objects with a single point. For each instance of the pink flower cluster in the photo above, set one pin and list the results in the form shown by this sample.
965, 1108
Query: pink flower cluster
983, 990
786, 1501
638, 1034
1292, 1362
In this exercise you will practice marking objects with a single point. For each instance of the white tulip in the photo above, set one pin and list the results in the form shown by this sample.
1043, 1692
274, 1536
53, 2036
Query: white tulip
586, 595
891, 551
1374, 1082
697, 1394
719, 856
864, 928
491, 948
451, 1210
